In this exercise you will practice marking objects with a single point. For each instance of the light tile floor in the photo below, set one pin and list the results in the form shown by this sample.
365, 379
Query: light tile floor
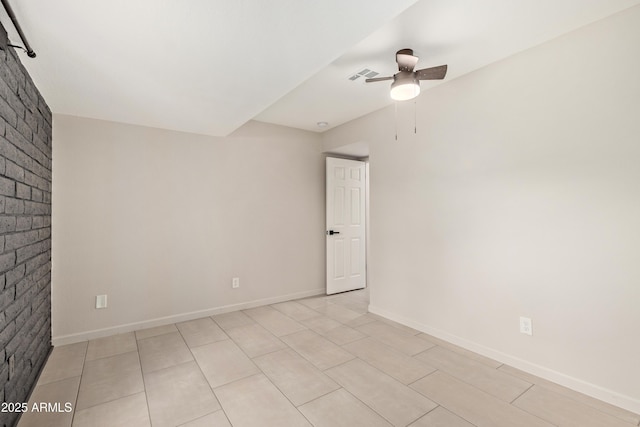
320, 361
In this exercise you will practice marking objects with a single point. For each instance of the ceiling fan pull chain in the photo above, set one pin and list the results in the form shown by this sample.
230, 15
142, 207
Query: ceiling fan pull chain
395, 120
415, 121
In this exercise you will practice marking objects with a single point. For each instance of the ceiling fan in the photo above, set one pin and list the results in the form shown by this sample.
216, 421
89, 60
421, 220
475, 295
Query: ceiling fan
406, 82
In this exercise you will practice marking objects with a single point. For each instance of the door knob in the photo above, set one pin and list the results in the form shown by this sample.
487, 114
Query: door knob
331, 232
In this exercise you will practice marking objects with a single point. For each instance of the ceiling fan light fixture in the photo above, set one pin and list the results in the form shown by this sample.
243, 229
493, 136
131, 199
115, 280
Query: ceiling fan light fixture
404, 87
406, 82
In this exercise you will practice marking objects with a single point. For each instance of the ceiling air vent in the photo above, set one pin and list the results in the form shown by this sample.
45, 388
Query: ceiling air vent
364, 73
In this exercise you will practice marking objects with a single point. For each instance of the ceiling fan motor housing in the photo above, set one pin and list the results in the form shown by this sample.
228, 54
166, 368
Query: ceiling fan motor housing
406, 60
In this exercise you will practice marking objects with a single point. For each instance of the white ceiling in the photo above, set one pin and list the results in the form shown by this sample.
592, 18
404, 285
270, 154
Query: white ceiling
209, 66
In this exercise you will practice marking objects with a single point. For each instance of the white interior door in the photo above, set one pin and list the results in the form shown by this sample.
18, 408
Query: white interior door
346, 250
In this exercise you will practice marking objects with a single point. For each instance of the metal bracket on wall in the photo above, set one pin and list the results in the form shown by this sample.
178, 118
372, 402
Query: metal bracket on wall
16, 24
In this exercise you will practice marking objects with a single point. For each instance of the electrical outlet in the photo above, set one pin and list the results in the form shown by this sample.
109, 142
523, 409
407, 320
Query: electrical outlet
101, 301
525, 326
235, 282
12, 366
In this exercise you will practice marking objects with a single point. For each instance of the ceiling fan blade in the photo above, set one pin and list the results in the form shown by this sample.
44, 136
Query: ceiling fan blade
433, 73
379, 79
406, 60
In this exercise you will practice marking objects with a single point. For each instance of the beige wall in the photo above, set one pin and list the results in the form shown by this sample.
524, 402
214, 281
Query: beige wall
519, 196
160, 221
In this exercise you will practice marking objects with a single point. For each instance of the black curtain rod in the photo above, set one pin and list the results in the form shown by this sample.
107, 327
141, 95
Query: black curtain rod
27, 47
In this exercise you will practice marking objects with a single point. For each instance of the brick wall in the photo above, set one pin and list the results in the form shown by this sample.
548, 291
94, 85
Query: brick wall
25, 231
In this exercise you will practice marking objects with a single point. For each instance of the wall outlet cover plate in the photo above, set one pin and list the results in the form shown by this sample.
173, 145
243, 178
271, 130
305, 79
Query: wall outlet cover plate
101, 301
526, 326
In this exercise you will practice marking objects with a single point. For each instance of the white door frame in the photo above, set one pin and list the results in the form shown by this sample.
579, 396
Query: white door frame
346, 224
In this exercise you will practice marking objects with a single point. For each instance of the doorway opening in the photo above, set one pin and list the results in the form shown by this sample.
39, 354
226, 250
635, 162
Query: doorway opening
347, 222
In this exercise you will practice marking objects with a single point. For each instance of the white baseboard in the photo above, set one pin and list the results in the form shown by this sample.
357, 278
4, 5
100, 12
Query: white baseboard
161, 321
595, 391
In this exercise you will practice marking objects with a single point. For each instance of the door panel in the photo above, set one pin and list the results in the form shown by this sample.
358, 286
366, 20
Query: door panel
356, 216
338, 259
355, 257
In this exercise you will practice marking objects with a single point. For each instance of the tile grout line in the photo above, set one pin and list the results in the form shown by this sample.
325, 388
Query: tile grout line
261, 372
439, 403
110, 400
464, 380
292, 349
426, 413
534, 415
384, 373
84, 363
570, 396
521, 394
488, 394
260, 369
193, 356
144, 382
